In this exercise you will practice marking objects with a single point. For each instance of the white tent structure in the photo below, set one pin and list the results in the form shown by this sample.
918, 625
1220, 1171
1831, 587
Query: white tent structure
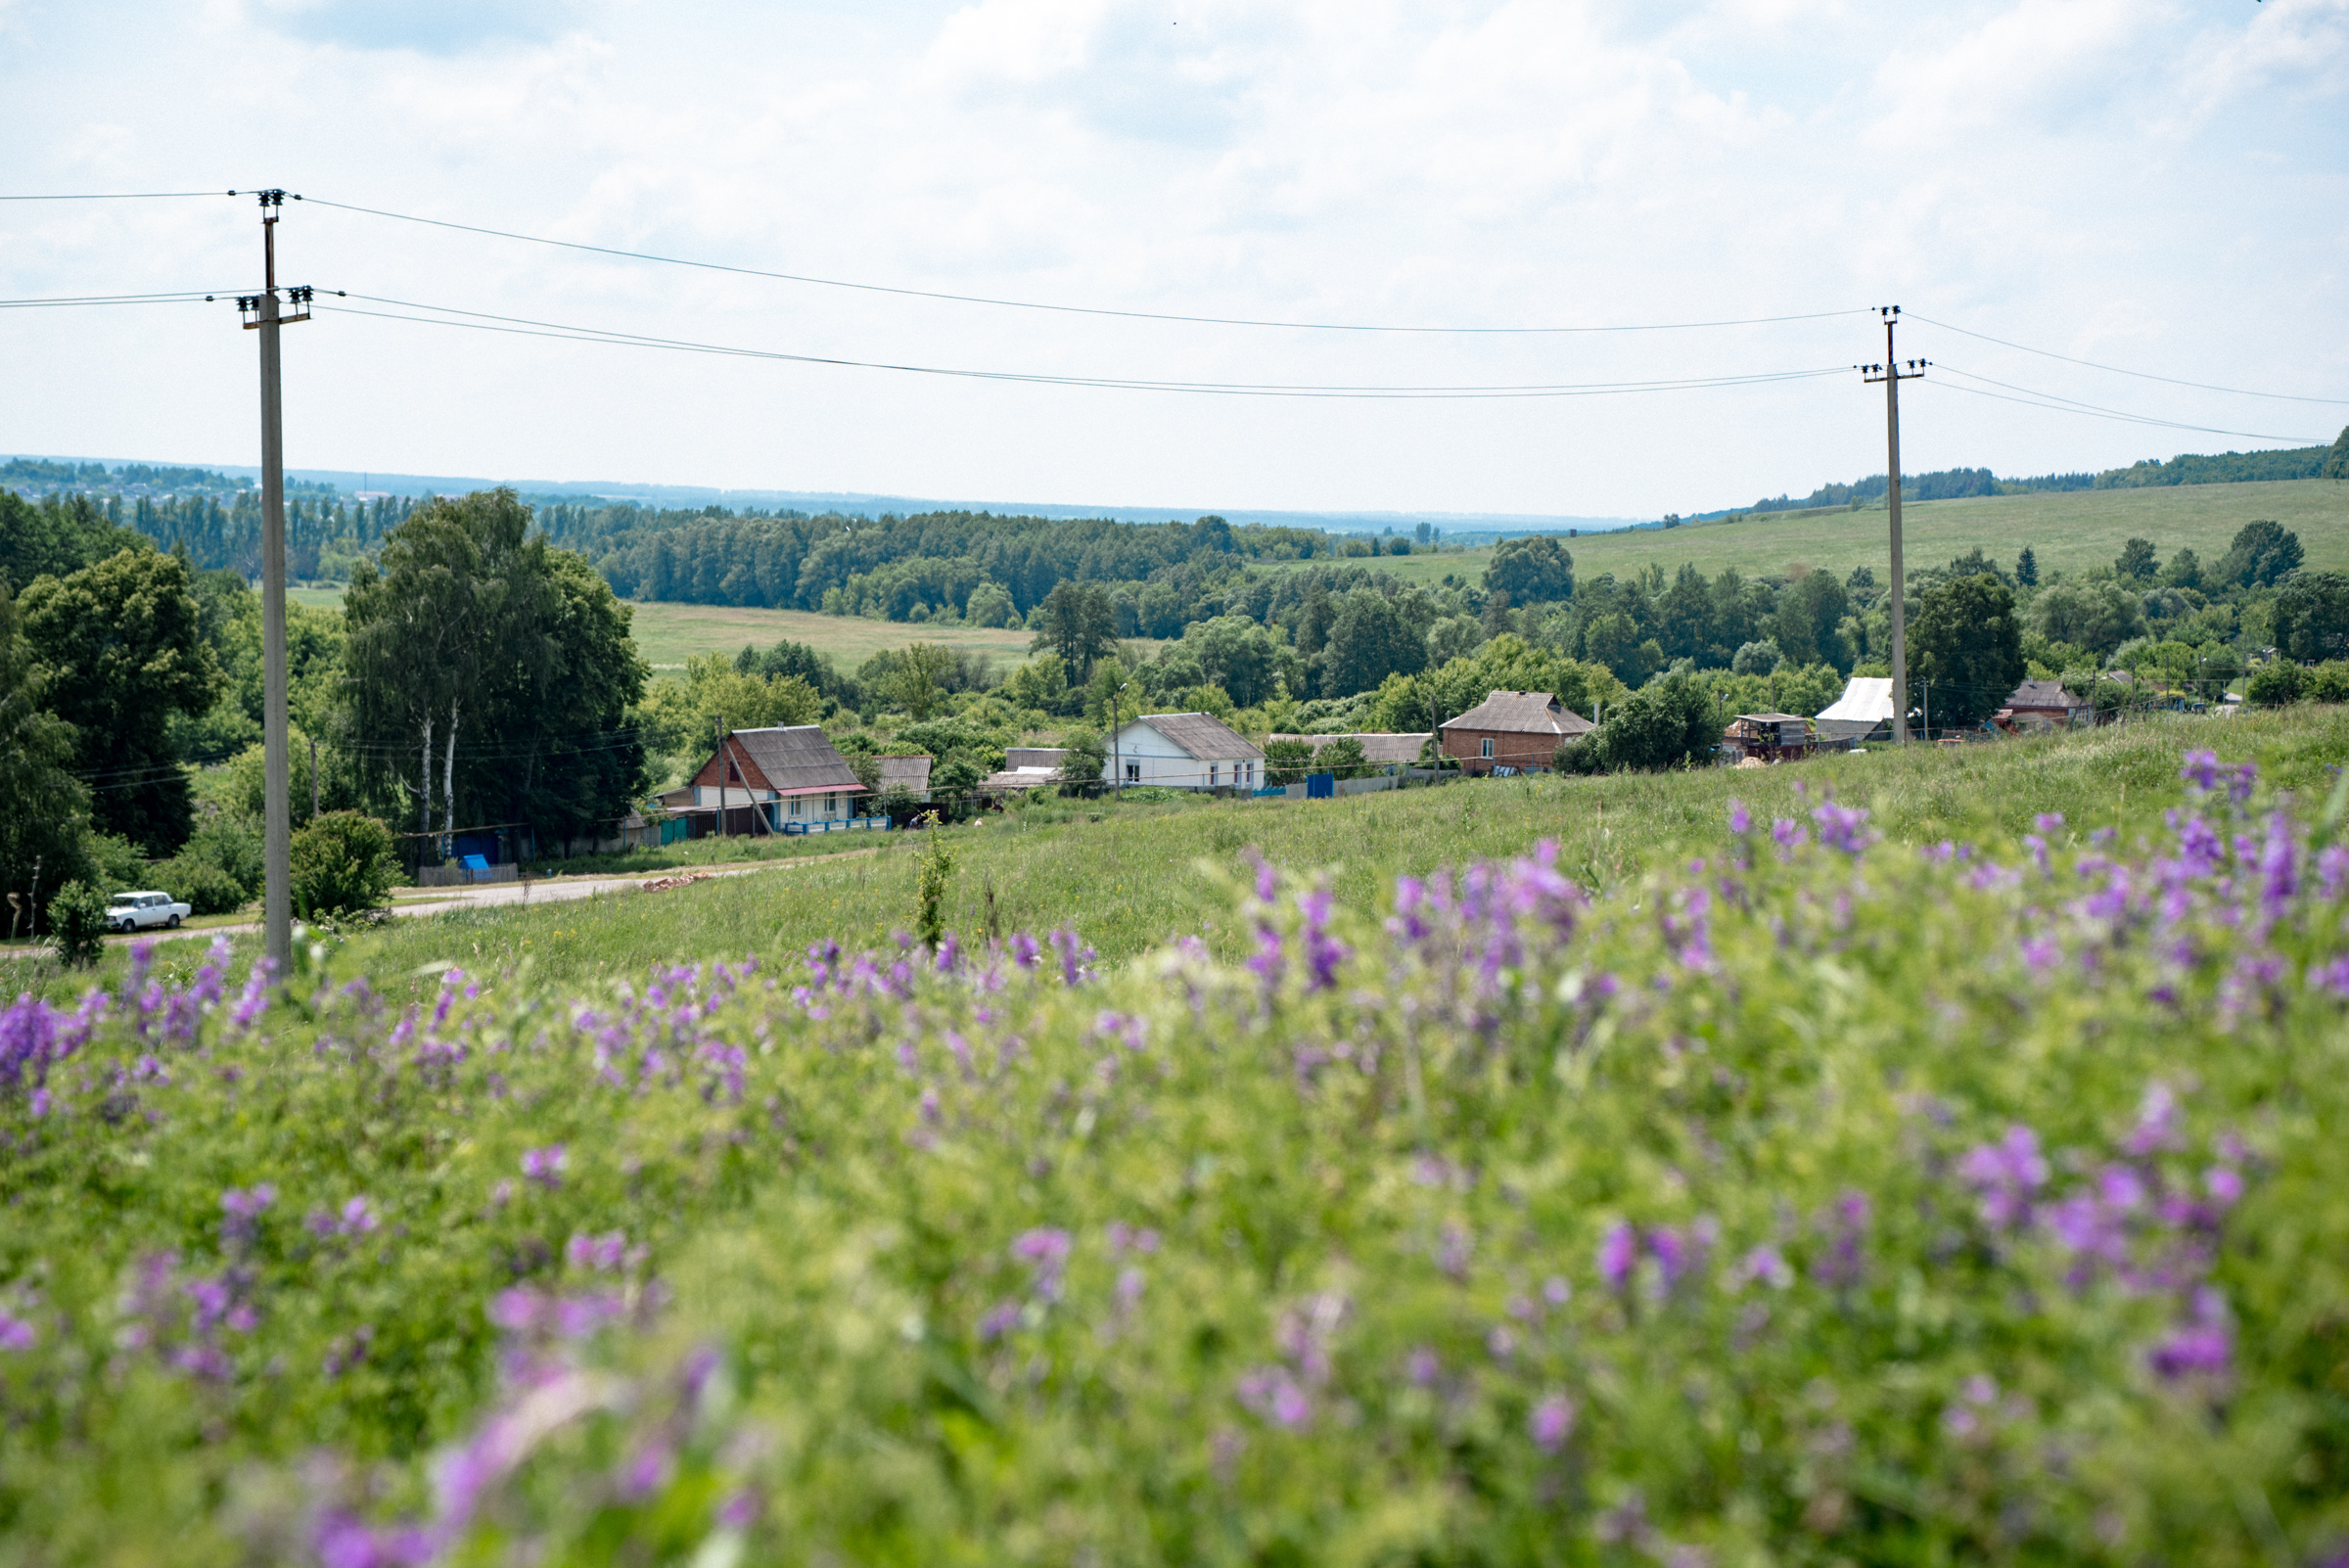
1863, 710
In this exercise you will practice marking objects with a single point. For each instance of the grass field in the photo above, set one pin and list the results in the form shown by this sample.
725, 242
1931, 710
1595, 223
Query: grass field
670, 633
1129, 878
1801, 1196
2068, 531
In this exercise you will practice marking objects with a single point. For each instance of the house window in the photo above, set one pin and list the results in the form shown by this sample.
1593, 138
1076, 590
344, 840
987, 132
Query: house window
1484, 748
831, 806
1133, 772
1215, 774
795, 805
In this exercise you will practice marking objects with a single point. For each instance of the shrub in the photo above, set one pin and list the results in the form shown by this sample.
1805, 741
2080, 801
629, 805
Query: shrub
78, 924
1343, 757
2328, 683
203, 886
2277, 682
1667, 723
343, 863
1287, 761
1581, 754
116, 863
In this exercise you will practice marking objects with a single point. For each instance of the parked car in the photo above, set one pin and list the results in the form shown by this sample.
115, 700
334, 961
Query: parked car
141, 911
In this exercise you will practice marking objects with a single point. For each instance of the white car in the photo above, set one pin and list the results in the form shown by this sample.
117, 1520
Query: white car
140, 911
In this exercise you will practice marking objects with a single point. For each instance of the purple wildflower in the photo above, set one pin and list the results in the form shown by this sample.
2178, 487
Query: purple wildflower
2048, 822
2007, 1175
1045, 1252
16, 1334
1787, 834
1273, 1395
1550, 1423
545, 1166
1842, 827
1617, 1252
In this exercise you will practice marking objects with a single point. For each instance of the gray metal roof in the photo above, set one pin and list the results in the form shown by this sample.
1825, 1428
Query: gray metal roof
2043, 694
1016, 758
1523, 713
912, 771
1376, 748
1204, 736
797, 759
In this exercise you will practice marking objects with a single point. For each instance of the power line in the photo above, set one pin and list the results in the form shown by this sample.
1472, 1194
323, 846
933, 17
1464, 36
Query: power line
115, 195
1066, 310
2142, 375
2069, 405
519, 326
180, 297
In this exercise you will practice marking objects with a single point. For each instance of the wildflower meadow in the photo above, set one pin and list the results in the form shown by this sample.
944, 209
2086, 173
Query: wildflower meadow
1815, 1199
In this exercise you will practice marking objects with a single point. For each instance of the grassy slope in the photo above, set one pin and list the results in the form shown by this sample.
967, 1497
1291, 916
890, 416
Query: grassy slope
668, 633
2068, 531
1129, 880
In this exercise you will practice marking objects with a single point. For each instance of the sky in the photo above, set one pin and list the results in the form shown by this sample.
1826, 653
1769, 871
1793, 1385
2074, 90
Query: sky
2160, 186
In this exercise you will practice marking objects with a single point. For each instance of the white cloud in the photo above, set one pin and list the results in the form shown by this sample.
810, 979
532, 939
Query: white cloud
2044, 170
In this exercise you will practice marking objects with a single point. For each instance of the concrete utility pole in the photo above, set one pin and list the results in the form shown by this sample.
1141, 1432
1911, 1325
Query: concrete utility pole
262, 312
1116, 758
1892, 372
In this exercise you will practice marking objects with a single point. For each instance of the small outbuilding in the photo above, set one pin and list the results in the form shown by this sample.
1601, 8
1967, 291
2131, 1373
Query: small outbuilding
1185, 752
1515, 731
1769, 738
2042, 705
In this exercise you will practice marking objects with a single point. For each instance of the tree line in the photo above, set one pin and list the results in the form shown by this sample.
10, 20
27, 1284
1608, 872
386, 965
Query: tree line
477, 676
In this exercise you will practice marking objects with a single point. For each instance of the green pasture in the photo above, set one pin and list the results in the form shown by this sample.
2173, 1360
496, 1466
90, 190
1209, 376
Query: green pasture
2067, 531
1129, 879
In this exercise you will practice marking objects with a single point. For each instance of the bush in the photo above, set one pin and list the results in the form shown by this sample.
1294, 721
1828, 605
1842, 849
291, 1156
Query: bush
205, 888
116, 863
2328, 683
2276, 683
78, 924
343, 863
1581, 754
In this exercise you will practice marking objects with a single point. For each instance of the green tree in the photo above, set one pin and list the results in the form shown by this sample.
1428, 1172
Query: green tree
2137, 562
1967, 641
1084, 760
1288, 761
2260, 555
343, 865
916, 683
2096, 616
991, 605
1369, 641
1533, 570
1613, 640
2337, 461
44, 809
1079, 624
55, 538
2185, 570
2026, 567
470, 624
1236, 654
1671, 722
2312, 616
1808, 614
123, 646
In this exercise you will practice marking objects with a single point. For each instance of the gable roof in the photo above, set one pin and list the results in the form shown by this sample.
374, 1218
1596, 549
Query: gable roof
2043, 694
1203, 736
1864, 696
796, 760
1523, 713
912, 771
1376, 748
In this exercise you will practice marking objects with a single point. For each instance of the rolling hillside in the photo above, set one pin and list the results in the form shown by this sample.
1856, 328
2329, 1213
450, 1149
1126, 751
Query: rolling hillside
2068, 530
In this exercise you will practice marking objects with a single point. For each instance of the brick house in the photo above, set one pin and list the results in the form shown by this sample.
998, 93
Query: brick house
1516, 730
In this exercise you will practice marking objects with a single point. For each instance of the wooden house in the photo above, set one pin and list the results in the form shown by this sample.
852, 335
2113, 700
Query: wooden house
1185, 752
768, 781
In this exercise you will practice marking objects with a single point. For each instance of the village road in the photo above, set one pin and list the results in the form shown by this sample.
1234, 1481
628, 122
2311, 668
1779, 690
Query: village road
410, 903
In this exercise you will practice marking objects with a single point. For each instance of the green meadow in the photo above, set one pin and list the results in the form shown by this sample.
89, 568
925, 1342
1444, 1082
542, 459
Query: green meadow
1131, 878
2067, 531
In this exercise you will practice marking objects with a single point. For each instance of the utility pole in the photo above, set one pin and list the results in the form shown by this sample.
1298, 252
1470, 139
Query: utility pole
1892, 372
260, 312
1117, 757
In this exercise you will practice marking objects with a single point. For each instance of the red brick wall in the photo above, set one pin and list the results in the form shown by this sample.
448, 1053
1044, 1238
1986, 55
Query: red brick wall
1511, 748
746, 772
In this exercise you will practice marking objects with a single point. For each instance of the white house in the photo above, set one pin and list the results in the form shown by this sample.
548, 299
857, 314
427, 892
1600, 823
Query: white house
1183, 752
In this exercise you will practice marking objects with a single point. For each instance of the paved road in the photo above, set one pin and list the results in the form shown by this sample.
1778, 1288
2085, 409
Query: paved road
410, 903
